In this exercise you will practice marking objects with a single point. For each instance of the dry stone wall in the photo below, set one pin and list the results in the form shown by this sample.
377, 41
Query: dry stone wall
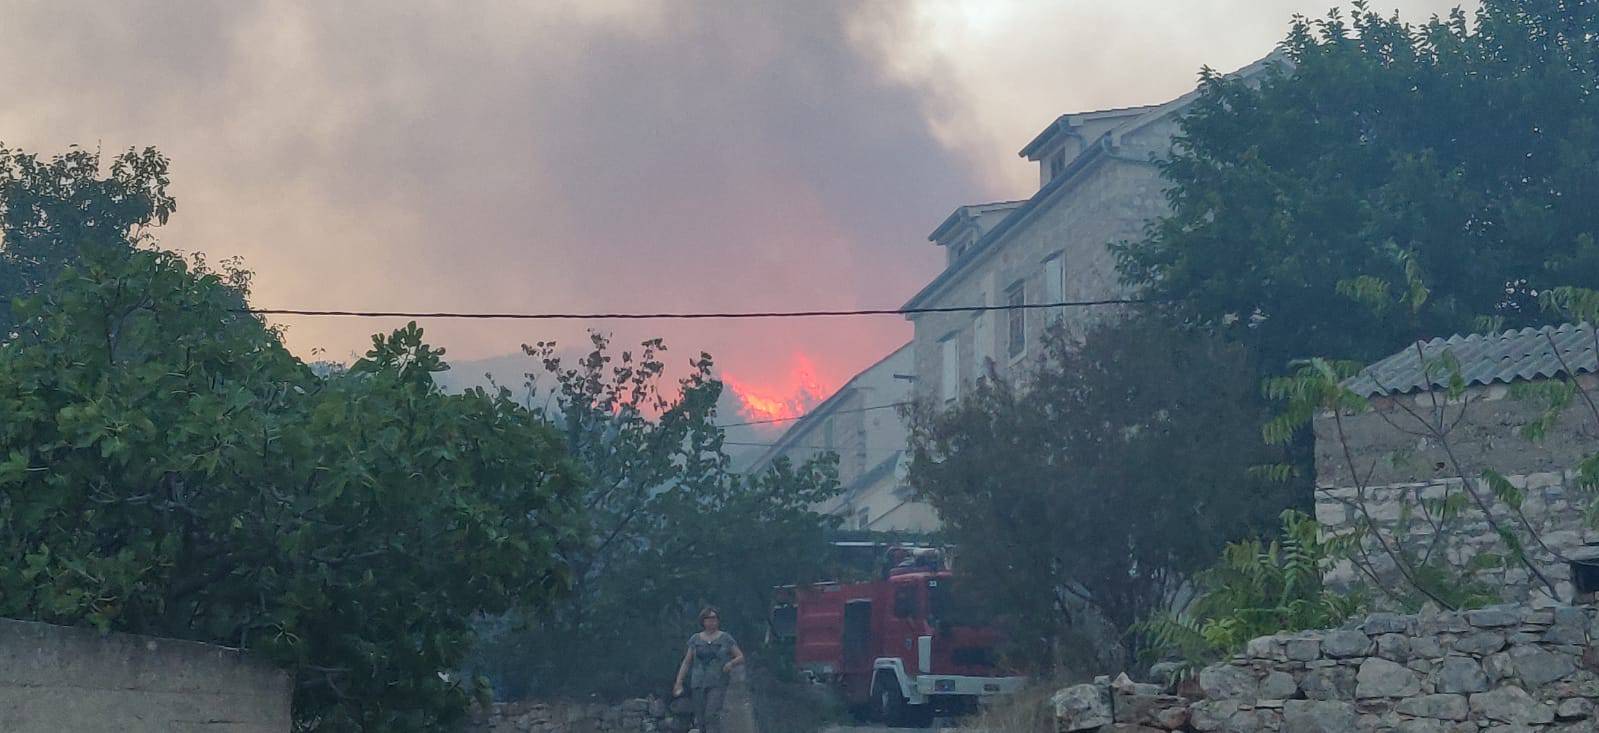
1507, 669
1553, 506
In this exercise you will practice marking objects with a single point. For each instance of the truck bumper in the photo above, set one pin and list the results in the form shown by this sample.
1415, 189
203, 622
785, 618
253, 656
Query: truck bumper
953, 684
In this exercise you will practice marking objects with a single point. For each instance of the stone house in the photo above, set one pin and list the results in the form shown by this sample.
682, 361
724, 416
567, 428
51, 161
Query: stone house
861, 422
1098, 184
1390, 465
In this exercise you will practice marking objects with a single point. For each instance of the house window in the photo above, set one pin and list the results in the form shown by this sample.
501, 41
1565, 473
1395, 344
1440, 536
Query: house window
827, 434
1016, 319
1055, 283
950, 368
863, 519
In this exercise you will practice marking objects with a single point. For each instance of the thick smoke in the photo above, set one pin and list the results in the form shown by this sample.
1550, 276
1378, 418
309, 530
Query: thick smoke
588, 155
472, 156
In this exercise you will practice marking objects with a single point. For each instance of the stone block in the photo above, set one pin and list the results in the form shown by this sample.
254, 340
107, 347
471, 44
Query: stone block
1442, 622
1440, 707
1570, 626
1264, 647
1540, 617
1082, 708
1382, 678
1227, 682
1458, 674
1387, 623
1277, 685
1160, 711
1511, 705
1394, 647
1329, 683
1536, 667
1212, 715
1318, 716
1302, 649
1479, 643
1425, 725
1493, 617
1576, 708
1498, 666
1426, 647
1345, 643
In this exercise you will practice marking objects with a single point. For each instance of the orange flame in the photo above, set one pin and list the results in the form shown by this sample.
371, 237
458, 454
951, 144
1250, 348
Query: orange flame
790, 398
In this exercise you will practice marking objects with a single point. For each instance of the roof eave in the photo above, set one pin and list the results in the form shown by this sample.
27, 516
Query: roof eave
1001, 230
1043, 139
950, 222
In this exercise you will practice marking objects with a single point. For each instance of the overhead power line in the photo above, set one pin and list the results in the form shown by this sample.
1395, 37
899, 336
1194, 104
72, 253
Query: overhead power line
663, 316
808, 414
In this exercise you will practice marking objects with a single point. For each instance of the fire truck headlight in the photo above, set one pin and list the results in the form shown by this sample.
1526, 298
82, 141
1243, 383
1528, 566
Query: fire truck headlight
944, 686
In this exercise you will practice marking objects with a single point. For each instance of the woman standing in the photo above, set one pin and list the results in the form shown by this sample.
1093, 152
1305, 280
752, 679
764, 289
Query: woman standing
708, 664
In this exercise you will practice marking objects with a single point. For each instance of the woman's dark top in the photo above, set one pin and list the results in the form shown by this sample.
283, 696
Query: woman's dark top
708, 659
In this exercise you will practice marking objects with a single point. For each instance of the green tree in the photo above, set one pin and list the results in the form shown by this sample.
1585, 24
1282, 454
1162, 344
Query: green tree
168, 468
672, 528
52, 211
1462, 154
1098, 485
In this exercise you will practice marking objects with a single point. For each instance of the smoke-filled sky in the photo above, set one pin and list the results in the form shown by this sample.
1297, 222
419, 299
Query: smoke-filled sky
599, 156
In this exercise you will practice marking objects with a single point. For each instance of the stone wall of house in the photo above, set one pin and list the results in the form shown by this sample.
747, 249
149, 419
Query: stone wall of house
1507, 668
642, 715
1381, 465
1111, 202
57, 678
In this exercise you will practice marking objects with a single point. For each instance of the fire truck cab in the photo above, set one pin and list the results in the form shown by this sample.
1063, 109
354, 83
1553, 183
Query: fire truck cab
895, 647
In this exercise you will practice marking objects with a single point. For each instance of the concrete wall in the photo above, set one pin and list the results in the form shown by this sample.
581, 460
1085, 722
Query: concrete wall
55, 679
1508, 668
1407, 468
1488, 436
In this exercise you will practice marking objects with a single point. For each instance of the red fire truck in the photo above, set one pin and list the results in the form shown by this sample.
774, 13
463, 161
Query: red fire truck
896, 647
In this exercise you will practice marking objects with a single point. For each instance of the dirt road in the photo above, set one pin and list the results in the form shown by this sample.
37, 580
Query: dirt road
738, 713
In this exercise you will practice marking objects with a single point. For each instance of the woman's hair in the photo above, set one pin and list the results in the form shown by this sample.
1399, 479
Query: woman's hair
708, 612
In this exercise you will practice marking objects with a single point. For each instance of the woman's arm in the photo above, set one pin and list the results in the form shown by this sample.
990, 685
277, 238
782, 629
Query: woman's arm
738, 658
682, 671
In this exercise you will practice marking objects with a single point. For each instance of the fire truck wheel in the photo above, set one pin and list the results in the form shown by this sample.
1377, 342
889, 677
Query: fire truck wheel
890, 704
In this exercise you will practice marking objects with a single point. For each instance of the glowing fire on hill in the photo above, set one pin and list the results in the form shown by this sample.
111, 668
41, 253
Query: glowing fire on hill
781, 399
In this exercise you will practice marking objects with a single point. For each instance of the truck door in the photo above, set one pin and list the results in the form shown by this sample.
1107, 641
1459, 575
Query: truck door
858, 656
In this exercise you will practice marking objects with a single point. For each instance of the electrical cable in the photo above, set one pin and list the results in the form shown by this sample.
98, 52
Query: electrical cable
808, 414
693, 316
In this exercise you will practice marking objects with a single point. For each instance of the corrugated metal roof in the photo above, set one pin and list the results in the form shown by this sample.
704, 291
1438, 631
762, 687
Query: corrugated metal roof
1529, 353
